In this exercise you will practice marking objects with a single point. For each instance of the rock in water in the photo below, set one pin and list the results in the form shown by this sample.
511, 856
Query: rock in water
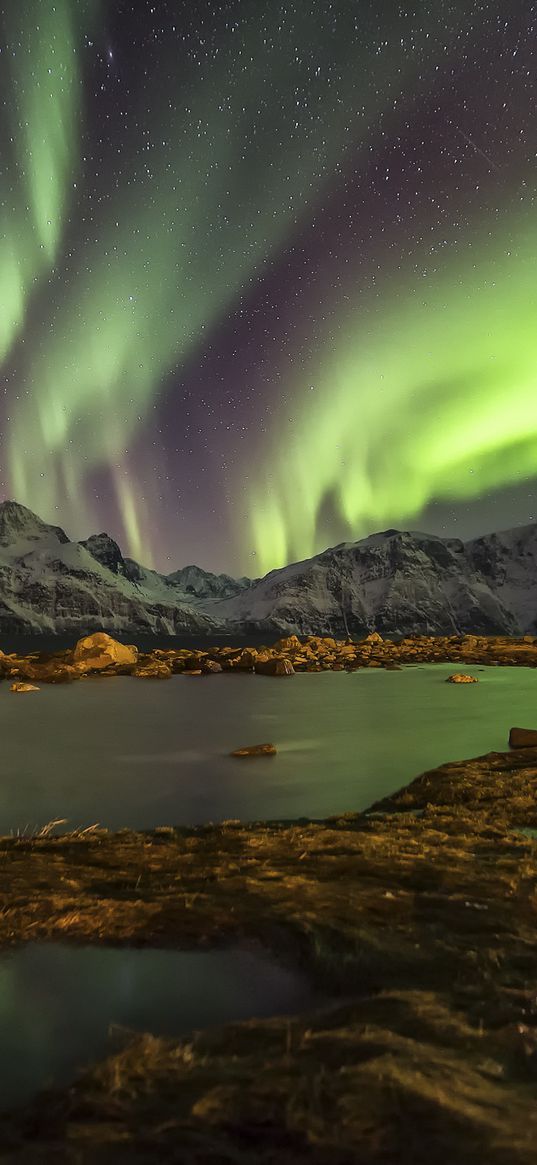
523, 738
100, 650
277, 666
211, 667
461, 678
255, 750
18, 686
247, 659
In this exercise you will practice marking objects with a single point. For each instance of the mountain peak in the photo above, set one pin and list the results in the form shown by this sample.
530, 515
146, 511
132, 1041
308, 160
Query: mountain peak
203, 584
19, 524
103, 548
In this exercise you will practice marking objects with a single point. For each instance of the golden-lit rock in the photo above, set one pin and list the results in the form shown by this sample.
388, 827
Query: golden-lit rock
150, 668
247, 659
94, 652
290, 643
211, 667
320, 644
461, 678
373, 637
52, 671
20, 686
263, 655
255, 750
277, 666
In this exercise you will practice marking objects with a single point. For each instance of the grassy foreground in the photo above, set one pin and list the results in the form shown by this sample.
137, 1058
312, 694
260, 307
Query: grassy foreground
421, 927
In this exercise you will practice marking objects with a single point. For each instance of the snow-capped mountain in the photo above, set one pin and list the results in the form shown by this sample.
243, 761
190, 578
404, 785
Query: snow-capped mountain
399, 582
396, 582
49, 584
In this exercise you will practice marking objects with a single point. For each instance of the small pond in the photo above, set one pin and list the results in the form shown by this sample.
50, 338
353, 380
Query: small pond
58, 1002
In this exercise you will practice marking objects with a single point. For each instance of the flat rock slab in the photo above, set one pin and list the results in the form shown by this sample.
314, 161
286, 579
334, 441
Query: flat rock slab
255, 750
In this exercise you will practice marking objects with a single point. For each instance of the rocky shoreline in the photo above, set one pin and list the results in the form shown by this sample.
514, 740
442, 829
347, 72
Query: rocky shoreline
416, 918
100, 654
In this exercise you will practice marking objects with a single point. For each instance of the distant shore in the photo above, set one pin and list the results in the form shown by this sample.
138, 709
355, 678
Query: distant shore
100, 654
416, 918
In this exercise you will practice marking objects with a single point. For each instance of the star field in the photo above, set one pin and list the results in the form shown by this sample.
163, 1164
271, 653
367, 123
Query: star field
267, 272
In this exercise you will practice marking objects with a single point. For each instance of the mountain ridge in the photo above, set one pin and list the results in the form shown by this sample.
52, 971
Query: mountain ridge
395, 581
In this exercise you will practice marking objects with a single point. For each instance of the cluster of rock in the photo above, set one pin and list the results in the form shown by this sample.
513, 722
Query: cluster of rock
100, 654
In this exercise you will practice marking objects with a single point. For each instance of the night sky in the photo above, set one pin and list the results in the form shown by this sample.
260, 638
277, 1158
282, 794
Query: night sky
268, 272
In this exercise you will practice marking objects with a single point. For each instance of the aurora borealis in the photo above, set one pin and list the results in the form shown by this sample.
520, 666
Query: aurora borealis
267, 272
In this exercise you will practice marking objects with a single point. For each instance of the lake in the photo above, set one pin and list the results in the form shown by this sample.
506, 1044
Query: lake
144, 753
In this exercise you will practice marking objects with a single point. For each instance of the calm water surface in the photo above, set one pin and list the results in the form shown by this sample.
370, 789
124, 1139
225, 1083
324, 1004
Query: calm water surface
57, 1003
143, 753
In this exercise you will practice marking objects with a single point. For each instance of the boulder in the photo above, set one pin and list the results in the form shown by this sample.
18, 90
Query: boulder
149, 669
373, 637
6, 664
94, 652
19, 686
523, 738
320, 643
277, 666
247, 659
461, 678
291, 643
193, 661
211, 667
263, 655
255, 750
54, 671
